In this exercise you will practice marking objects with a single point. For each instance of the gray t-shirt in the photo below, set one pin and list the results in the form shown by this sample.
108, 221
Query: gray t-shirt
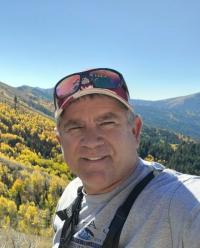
165, 215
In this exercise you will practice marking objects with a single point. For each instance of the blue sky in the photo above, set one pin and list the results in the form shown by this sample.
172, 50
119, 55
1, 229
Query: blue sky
154, 44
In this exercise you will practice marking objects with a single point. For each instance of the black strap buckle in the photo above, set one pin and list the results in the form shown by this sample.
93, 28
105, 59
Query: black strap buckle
70, 215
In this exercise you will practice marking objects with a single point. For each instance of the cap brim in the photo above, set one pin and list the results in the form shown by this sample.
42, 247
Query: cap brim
90, 91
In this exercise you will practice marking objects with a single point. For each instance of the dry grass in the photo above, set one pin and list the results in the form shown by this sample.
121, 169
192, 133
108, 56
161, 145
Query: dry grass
12, 239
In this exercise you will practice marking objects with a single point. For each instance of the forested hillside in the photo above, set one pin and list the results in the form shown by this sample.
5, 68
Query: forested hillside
33, 174
173, 150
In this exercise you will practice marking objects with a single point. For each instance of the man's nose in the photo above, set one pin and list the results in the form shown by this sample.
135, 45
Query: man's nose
92, 138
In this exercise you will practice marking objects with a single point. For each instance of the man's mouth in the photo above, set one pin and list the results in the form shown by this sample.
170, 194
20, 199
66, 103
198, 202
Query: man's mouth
94, 158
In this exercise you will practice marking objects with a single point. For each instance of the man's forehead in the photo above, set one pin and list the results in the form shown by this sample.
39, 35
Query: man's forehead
104, 109
94, 97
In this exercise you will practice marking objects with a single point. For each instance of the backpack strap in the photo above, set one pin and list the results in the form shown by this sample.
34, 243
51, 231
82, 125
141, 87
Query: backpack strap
70, 215
115, 228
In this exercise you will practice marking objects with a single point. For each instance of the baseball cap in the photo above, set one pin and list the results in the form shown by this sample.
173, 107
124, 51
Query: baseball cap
102, 81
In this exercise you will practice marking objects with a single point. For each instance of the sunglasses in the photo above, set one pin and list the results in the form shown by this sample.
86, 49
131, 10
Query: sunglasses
102, 78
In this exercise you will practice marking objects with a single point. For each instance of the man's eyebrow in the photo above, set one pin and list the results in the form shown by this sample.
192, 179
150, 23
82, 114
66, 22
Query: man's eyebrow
107, 116
70, 123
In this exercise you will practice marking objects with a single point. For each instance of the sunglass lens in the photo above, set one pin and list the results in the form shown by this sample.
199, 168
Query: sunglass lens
68, 86
105, 79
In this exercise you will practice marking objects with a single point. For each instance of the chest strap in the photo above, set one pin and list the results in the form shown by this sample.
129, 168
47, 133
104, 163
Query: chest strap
115, 228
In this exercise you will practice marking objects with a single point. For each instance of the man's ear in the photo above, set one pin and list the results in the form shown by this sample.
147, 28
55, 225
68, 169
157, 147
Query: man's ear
137, 128
58, 138
57, 135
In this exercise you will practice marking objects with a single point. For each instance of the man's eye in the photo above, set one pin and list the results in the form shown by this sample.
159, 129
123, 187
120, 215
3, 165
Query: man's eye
107, 123
75, 128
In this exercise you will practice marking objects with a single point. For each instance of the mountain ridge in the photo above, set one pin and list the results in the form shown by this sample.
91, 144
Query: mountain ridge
34, 97
179, 114
172, 103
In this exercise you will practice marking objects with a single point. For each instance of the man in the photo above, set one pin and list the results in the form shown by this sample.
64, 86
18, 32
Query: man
117, 199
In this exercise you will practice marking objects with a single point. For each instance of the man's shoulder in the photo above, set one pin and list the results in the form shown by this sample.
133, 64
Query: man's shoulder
187, 192
184, 205
171, 174
183, 181
173, 183
182, 190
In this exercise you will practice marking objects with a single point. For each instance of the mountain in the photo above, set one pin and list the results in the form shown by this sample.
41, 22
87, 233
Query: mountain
46, 94
180, 114
182, 103
35, 98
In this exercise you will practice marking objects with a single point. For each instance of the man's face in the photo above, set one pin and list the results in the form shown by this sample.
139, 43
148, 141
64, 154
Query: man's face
98, 143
